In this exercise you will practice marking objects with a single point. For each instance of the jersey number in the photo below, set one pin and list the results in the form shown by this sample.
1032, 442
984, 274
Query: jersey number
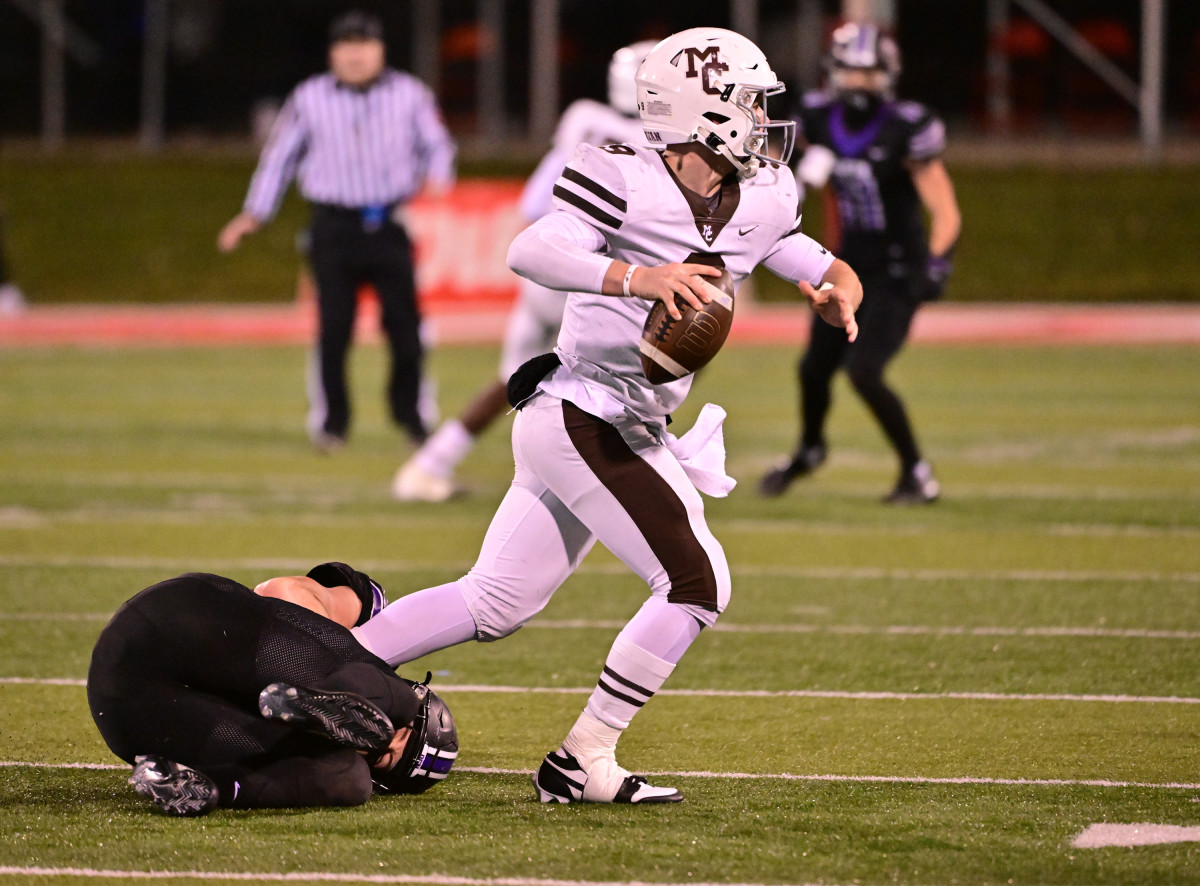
859, 202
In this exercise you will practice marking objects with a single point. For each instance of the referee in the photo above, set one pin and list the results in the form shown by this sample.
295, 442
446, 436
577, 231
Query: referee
362, 140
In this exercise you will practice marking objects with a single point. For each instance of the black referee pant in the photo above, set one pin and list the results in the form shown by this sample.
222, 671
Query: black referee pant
177, 673
884, 318
346, 253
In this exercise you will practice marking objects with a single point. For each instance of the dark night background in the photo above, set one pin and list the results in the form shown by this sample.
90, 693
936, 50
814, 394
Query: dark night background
226, 55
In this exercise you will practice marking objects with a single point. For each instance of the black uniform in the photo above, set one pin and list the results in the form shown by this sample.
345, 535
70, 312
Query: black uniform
884, 240
178, 670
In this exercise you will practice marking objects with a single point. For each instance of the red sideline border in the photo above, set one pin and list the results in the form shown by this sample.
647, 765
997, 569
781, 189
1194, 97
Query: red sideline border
289, 324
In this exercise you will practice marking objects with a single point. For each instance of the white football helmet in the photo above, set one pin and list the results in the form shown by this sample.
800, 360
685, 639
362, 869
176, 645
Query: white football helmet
622, 69
711, 85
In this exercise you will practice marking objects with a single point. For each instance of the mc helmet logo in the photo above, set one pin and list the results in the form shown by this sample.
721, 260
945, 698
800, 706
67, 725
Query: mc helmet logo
710, 65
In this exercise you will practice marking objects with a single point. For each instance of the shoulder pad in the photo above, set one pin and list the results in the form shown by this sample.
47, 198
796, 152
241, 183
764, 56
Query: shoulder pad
593, 185
912, 112
576, 120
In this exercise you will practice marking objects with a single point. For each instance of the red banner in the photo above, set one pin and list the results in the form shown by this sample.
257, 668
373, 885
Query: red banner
461, 240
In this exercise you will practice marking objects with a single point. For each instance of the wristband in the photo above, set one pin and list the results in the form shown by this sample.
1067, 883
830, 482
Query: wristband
626, 280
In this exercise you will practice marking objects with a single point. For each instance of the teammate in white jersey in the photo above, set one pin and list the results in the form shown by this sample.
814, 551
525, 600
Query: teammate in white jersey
594, 461
533, 324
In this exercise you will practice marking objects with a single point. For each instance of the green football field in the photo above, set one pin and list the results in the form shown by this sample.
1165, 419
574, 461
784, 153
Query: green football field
943, 695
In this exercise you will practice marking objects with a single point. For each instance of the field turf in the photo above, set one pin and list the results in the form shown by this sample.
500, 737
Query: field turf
940, 695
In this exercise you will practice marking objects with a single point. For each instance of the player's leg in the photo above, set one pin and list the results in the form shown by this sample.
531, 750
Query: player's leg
532, 329
815, 371
392, 274
12, 299
428, 475
634, 496
333, 254
338, 777
883, 329
532, 544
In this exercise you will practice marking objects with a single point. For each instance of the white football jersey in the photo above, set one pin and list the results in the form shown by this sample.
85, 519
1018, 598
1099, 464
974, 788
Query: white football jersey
584, 122
628, 195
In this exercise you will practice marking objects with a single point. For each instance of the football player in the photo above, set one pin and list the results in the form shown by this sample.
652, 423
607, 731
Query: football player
881, 158
594, 460
223, 696
537, 314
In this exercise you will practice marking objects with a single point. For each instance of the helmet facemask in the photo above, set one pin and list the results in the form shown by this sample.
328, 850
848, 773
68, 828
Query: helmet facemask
763, 139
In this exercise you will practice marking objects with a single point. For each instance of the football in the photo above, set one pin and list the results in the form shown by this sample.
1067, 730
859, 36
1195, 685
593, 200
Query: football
672, 349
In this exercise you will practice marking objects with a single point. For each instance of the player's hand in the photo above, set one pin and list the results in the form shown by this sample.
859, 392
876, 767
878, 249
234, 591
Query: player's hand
933, 282
664, 282
239, 226
834, 304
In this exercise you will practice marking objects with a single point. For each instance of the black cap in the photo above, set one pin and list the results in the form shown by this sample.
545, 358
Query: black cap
356, 25
369, 592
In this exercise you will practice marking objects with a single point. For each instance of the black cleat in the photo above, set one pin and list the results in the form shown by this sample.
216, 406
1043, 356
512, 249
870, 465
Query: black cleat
806, 460
174, 788
348, 719
561, 779
916, 486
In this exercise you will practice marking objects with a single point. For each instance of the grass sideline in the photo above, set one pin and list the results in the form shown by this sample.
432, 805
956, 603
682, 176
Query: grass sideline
960, 641
105, 228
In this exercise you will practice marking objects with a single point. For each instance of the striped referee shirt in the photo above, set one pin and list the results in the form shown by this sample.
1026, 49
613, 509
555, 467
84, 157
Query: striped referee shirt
353, 147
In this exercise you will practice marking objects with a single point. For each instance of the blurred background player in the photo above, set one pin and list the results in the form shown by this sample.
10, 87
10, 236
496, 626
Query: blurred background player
362, 139
881, 158
537, 314
12, 299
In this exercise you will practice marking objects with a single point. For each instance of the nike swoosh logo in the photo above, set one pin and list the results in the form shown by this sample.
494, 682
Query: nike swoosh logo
742, 232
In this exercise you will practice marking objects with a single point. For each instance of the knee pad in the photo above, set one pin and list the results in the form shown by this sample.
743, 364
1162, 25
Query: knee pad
498, 611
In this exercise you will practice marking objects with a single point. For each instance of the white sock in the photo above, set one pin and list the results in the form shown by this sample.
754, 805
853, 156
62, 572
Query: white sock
594, 745
418, 624
630, 678
442, 452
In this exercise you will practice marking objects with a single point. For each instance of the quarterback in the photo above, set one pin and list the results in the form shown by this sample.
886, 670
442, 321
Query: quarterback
631, 226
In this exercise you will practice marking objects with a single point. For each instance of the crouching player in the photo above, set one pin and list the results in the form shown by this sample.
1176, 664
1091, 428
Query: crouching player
223, 696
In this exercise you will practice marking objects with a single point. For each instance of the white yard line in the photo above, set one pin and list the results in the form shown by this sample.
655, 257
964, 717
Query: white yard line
726, 627
766, 776
751, 693
232, 511
867, 573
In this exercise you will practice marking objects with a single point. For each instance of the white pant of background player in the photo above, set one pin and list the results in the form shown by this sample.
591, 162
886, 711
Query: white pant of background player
580, 480
532, 329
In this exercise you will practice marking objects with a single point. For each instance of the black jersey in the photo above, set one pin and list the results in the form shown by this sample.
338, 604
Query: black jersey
178, 669
878, 206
